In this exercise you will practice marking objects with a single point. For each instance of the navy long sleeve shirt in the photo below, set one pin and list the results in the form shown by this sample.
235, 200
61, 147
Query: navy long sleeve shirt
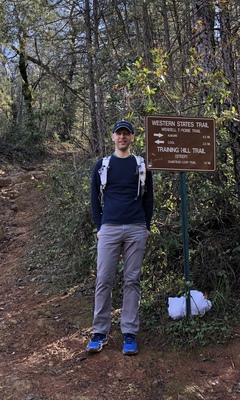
121, 203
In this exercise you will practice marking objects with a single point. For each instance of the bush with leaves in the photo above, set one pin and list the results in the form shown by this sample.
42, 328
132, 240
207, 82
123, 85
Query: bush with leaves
68, 242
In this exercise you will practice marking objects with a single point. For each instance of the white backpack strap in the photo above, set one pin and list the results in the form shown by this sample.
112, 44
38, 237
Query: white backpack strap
103, 175
141, 174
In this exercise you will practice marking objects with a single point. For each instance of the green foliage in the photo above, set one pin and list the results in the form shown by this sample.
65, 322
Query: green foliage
144, 86
197, 332
27, 132
67, 240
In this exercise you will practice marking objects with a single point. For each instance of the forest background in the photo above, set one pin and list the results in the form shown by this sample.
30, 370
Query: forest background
69, 70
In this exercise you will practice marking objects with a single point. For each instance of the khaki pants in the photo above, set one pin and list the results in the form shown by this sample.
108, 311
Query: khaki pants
130, 240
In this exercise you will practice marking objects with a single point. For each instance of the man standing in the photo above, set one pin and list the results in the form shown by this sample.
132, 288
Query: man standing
123, 224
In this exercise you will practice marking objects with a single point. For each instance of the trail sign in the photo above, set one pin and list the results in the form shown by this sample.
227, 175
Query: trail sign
180, 143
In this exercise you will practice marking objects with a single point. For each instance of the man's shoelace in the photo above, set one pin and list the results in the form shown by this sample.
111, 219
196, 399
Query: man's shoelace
129, 339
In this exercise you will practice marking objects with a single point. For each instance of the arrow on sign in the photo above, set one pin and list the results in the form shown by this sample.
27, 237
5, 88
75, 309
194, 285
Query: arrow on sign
158, 134
159, 141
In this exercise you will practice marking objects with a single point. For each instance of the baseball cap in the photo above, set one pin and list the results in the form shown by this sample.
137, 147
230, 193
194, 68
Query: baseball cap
123, 124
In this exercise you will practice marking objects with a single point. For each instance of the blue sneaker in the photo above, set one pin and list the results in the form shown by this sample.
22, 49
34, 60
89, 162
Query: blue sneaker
130, 346
97, 342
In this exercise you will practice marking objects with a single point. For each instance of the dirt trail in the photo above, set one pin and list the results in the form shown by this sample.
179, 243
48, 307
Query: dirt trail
43, 337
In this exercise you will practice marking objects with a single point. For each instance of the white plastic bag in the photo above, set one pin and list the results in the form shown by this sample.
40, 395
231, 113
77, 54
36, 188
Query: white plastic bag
199, 305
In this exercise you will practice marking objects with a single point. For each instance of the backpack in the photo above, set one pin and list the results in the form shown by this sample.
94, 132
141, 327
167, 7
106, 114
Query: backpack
141, 175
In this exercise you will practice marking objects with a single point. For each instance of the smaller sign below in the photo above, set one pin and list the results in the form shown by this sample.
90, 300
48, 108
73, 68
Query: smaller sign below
180, 143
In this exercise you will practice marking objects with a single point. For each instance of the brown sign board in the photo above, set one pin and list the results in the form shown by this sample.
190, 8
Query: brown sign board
180, 143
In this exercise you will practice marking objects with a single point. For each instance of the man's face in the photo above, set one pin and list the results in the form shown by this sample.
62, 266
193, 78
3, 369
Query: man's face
122, 139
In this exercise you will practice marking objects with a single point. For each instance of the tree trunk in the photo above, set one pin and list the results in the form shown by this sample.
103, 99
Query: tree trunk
233, 101
26, 88
69, 100
92, 95
205, 20
100, 109
147, 34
